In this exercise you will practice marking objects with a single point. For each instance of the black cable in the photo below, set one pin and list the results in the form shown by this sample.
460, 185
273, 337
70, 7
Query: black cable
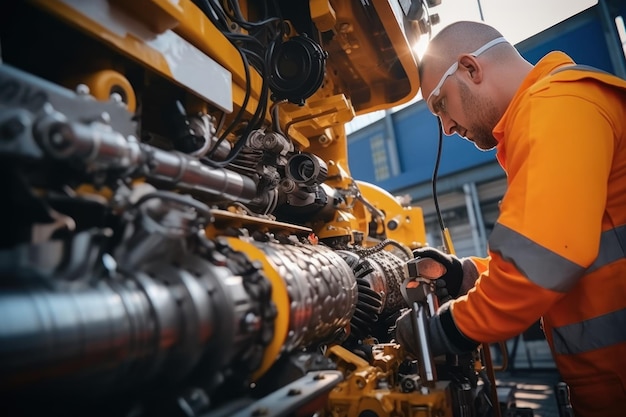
235, 122
244, 45
241, 20
255, 60
274, 112
220, 13
261, 110
211, 11
207, 8
219, 17
434, 179
382, 245
252, 124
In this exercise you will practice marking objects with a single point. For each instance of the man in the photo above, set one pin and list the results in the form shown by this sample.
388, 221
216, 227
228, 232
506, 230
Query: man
557, 251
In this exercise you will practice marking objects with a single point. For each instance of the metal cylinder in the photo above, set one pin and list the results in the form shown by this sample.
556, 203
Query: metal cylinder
94, 338
321, 288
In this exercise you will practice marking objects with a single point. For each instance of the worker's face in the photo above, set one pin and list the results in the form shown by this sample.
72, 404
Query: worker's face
464, 112
455, 99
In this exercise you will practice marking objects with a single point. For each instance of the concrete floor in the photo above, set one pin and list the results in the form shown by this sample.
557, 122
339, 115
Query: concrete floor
534, 390
533, 376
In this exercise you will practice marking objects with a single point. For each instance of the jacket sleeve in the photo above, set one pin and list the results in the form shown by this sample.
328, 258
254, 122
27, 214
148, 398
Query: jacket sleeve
558, 159
482, 264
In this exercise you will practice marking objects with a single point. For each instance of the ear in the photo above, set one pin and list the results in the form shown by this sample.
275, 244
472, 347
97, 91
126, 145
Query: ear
472, 67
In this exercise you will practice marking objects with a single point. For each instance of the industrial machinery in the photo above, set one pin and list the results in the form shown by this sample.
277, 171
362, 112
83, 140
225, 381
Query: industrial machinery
181, 233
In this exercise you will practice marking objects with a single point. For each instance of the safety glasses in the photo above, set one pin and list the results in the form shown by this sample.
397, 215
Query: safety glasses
437, 90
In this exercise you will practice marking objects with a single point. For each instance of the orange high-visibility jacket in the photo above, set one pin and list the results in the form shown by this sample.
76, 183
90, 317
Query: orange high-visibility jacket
558, 248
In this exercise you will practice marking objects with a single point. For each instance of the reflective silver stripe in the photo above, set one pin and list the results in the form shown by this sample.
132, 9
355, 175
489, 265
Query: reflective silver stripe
580, 67
540, 265
595, 333
612, 247
548, 269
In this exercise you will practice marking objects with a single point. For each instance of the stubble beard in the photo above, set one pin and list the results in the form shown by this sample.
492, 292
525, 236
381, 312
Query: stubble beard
484, 118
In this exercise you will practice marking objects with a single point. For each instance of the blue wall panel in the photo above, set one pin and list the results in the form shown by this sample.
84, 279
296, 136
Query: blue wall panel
417, 134
582, 38
360, 152
415, 129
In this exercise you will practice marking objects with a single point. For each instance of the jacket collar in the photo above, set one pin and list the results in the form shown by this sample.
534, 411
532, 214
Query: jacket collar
544, 67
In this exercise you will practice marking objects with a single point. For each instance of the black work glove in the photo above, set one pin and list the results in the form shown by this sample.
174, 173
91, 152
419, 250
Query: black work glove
448, 284
442, 334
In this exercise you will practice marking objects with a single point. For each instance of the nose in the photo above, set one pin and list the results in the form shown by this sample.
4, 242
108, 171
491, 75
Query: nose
449, 125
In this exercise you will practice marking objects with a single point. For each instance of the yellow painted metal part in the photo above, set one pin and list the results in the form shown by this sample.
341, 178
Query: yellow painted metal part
187, 20
403, 224
343, 224
390, 76
132, 47
237, 219
447, 242
196, 28
323, 14
338, 172
367, 388
103, 83
280, 297
378, 56
157, 15
404, 52
315, 117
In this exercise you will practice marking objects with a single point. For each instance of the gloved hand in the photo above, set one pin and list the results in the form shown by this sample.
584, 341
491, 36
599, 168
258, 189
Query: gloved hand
455, 272
443, 335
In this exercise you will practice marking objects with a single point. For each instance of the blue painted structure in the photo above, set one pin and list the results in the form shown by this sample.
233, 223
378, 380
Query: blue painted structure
415, 135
